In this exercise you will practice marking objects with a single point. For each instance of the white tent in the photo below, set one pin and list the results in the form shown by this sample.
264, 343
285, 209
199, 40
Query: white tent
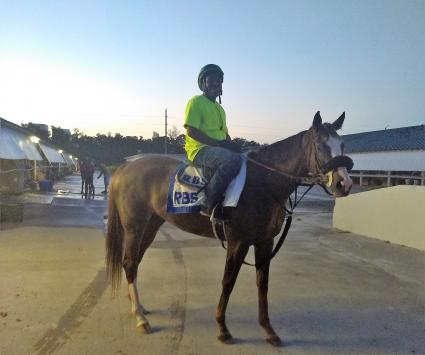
52, 155
15, 145
69, 160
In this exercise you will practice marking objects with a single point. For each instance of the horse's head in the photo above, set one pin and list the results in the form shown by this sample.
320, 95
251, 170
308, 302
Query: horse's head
327, 155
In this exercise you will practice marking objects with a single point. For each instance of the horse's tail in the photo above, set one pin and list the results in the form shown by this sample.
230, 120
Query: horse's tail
114, 243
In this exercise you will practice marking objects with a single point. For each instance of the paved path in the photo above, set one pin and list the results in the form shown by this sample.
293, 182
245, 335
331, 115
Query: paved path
330, 292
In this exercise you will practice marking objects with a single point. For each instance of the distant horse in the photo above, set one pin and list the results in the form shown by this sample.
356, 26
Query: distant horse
87, 171
138, 199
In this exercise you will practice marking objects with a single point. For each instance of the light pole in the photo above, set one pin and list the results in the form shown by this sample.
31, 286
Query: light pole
165, 137
35, 140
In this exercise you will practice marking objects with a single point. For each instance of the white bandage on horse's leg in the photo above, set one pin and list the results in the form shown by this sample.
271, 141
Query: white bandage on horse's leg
134, 296
135, 301
137, 309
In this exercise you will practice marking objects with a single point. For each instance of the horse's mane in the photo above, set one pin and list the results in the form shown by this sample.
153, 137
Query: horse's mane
281, 150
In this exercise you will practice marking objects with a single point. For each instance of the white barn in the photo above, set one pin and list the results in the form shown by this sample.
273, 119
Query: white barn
23, 159
391, 156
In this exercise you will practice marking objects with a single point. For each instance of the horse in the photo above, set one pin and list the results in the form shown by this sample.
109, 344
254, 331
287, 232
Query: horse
137, 209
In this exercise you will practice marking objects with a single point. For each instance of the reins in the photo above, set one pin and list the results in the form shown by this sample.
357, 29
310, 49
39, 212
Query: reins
319, 179
302, 180
290, 211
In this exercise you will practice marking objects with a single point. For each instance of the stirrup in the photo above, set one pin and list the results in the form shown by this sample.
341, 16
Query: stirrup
206, 212
218, 225
217, 214
214, 214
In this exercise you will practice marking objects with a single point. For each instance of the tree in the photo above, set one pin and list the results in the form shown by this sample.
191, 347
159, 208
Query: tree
113, 148
244, 144
40, 130
173, 133
61, 137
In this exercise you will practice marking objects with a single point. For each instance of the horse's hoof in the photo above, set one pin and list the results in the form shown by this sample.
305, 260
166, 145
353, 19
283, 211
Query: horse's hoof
274, 340
145, 327
226, 338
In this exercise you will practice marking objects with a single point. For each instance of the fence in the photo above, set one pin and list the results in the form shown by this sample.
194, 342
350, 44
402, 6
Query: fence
391, 178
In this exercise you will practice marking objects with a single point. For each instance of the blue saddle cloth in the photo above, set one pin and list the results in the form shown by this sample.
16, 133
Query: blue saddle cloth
186, 194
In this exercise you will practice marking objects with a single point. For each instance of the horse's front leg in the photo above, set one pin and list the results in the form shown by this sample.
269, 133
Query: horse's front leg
262, 255
236, 252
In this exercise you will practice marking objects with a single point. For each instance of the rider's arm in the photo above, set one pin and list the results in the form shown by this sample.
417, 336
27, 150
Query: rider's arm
201, 136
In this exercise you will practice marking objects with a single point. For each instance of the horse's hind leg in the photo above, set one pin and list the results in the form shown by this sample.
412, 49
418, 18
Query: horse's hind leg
236, 253
135, 247
262, 255
130, 264
148, 236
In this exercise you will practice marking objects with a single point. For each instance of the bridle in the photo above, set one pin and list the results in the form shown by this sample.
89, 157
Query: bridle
319, 178
322, 177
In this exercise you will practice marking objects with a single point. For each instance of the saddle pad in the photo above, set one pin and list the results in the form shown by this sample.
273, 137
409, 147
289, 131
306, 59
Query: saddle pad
188, 174
185, 198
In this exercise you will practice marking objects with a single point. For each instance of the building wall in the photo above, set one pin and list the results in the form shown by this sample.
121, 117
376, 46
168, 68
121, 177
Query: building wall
394, 214
12, 176
410, 160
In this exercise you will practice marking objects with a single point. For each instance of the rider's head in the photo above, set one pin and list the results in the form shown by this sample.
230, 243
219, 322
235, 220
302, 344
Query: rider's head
210, 80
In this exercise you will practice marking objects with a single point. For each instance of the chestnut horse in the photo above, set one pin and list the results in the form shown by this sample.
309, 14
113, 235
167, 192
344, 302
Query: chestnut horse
137, 208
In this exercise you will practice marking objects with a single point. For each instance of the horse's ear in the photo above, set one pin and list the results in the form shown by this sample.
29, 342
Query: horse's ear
317, 121
338, 123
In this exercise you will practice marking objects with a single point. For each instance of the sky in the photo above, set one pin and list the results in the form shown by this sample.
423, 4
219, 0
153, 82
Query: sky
115, 66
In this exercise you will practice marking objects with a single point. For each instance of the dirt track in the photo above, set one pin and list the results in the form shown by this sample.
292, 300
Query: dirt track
330, 293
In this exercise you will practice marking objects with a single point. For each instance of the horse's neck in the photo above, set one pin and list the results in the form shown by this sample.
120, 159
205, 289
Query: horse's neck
290, 155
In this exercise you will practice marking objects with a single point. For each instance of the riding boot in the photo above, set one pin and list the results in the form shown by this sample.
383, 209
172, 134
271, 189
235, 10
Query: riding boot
216, 187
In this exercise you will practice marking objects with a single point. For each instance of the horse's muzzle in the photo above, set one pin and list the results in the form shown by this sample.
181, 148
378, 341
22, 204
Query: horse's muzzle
337, 170
342, 183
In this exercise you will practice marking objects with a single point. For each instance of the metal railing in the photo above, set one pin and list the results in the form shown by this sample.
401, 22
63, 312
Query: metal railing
389, 176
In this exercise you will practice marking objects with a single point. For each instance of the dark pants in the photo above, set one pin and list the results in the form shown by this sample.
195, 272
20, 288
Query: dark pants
227, 165
89, 186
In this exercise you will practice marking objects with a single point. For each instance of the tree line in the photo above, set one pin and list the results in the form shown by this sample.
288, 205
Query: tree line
112, 149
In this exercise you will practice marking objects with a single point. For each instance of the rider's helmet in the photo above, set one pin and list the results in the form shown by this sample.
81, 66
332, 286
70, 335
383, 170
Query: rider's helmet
208, 69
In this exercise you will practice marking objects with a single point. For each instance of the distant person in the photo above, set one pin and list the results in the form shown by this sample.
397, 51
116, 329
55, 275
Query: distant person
208, 143
89, 181
87, 172
82, 167
106, 177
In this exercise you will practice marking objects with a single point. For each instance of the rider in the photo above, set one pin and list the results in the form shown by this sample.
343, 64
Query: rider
208, 143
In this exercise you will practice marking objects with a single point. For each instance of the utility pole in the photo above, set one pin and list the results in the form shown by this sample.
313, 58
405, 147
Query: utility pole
165, 137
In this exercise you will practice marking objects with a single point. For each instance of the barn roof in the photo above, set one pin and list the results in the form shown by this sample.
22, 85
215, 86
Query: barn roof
15, 144
405, 138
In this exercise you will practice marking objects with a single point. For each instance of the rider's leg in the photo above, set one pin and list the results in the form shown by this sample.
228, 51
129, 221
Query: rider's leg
227, 165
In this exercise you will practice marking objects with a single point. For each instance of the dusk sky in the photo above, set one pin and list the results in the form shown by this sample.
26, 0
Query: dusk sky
114, 66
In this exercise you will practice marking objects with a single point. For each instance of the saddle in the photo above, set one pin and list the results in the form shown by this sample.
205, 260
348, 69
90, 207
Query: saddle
185, 192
